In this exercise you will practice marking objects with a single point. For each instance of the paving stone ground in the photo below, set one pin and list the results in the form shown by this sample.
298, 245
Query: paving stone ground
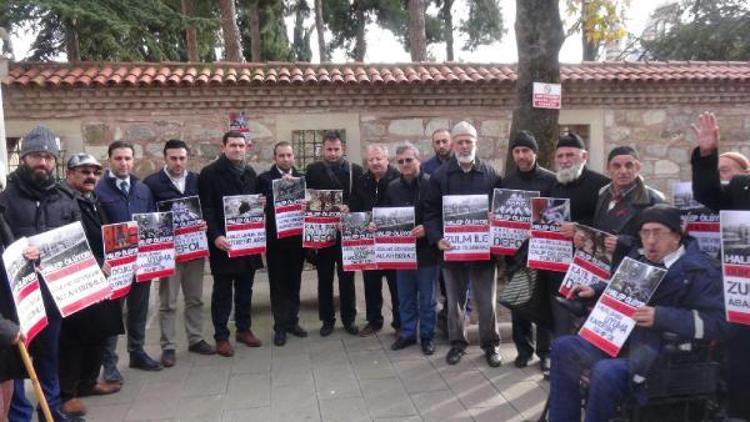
338, 378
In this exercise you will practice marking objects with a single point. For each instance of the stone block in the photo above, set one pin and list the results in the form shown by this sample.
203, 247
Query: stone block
435, 124
140, 133
95, 134
494, 128
665, 167
679, 155
617, 133
258, 130
654, 117
656, 150
155, 149
100, 152
372, 130
406, 127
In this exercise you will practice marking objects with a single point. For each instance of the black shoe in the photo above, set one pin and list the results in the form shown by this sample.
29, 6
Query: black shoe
140, 360
279, 338
202, 348
168, 358
493, 357
111, 375
544, 365
428, 346
522, 361
454, 355
326, 330
351, 328
403, 343
297, 331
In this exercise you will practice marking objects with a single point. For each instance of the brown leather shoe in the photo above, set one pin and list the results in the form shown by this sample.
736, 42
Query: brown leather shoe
224, 348
369, 330
249, 339
102, 389
73, 407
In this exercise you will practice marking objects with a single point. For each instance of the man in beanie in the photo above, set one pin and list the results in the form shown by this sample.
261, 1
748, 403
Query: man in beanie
688, 302
731, 164
464, 174
35, 203
709, 190
527, 175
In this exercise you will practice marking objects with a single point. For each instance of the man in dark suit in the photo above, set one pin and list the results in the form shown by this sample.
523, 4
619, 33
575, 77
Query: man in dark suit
285, 257
334, 172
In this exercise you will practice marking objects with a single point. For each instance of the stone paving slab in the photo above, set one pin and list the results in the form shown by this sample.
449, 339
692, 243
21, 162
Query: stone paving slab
338, 378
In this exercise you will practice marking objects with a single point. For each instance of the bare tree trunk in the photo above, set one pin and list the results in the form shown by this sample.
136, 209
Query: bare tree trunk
191, 35
72, 43
590, 48
360, 46
255, 50
320, 28
417, 36
539, 36
232, 41
447, 15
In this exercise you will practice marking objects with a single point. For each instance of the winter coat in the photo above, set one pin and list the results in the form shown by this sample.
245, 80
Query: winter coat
583, 194
320, 176
402, 193
430, 166
217, 180
117, 206
163, 189
368, 194
708, 190
265, 181
539, 179
11, 366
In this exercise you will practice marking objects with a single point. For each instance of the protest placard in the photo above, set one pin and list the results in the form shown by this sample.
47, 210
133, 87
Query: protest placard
466, 227
322, 215
24, 287
511, 220
548, 249
592, 263
395, 247
121, 253
245, 225
611, 321
735, 259
156, 254
288, 205
357, 242
69, 268
190, 240
699, 221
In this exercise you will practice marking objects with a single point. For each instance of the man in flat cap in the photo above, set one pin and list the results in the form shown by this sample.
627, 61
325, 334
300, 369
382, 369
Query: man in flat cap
464, 174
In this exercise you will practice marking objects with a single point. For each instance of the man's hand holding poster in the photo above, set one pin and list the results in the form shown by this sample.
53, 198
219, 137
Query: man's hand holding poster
245, 225
466, 227
511, 220
322, 216
357, 242
699, 221
592, 263
156, 254
288, 205
611, 321
24, 286
120, 253
395, 247
735, 259
548, 248
69, 268
189, 228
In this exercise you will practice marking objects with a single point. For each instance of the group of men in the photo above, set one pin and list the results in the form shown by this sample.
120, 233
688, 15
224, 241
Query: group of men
69, 352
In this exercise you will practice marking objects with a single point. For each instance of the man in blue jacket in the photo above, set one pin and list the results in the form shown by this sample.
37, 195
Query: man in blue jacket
174, 181
688, 302
122, 195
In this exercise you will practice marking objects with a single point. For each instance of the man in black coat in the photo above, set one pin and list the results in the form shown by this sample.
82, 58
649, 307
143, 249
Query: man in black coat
708, 190
84, 334
174, 181
285, 257
370, 191
528, 175
334, 172
227, 176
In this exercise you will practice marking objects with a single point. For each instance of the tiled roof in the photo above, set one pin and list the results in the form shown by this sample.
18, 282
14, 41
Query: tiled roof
188, 74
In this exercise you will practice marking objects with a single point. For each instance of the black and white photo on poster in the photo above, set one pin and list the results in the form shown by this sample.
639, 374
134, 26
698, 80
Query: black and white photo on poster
322, 212
121, 253
69, 268
186, 212
156, 248
466, 227
735, 258
547, 214
592, 262
289, 205
245, 225
323, 202
395, 246
699, 221
25, 289
357, 242
189, 227
634, 282
288, 190
511, 220
548, 248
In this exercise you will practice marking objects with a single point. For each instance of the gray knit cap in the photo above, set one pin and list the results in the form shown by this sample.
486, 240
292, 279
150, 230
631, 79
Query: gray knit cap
40, 139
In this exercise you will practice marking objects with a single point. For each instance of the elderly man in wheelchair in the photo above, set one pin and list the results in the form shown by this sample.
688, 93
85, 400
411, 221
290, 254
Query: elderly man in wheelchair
688, 303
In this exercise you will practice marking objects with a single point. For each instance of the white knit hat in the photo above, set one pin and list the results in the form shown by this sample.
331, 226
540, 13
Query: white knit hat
464, 128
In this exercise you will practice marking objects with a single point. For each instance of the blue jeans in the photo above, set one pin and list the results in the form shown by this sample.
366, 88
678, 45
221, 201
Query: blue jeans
44, 353
417, 296
608, 385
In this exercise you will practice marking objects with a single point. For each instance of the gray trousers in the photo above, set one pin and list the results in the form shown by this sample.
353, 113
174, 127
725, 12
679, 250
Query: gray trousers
136, 313
189, 276
484, 298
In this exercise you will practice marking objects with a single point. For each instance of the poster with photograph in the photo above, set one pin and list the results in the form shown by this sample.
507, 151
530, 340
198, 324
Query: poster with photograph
69, 268
156, 254
245, 225
466, 227
592, 263
190, 240
288, 205
548, 249
121, 253
322, 215
735, 260
611, 321
24, 287
699, 221
395, 247
511, 220
357, 242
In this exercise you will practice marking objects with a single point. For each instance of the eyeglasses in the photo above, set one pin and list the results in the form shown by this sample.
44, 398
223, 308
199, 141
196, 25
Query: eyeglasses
88, 172
657, 234
405, 160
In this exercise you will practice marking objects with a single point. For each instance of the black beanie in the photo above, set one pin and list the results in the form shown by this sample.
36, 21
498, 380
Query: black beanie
526, 139
663, 214
622, 150
570, 139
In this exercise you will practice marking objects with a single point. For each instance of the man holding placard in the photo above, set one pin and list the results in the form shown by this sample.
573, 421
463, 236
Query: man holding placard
465, 174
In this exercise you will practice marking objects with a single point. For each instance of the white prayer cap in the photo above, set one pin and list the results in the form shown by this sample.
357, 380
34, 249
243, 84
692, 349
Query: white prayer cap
464, 128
